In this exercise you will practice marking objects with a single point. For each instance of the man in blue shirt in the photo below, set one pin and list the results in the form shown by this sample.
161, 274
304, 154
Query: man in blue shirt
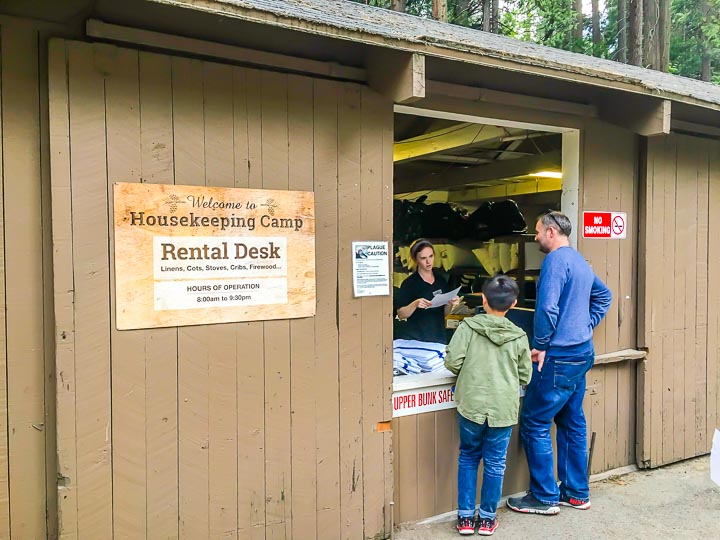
571, 302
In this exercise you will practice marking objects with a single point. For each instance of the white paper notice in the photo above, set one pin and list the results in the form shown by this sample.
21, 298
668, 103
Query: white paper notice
371, 274
442, 299
715, 458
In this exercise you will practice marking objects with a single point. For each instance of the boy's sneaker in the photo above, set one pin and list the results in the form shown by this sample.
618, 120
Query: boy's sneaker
487, 526
580, 504
466, 525
530, 505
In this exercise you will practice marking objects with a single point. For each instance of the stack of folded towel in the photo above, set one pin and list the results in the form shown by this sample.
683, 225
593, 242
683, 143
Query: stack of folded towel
411, 357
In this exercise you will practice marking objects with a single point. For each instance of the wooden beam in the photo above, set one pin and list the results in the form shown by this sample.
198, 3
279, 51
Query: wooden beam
398, 75
156, 40
620, 356
692, 127
459, 159
644, 116
485, 95
462, 176
452, 138
507, 189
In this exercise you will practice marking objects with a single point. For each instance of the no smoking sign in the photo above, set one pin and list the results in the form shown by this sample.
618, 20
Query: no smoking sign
604, 225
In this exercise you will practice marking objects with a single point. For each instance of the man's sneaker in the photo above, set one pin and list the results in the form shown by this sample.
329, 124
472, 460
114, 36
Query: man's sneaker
530, 505
487, 526
466, 525
580, 504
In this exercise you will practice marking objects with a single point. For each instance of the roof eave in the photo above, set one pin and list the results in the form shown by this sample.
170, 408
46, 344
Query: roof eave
443, 50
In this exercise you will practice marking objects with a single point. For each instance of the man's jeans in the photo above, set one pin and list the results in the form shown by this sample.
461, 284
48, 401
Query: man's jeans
480, 441
557, 393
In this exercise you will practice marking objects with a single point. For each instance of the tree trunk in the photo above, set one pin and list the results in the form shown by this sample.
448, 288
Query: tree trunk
622, 25
439, 10
579, 20
487, 10
495, 26
398, 5
705, 59
705, 67
651, 39
663, 37
596, 33
635, 33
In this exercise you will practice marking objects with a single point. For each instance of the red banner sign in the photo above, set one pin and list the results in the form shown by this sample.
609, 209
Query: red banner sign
604, 225
421, 400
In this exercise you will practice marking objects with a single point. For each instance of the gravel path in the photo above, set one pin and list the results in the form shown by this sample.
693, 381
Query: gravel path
677, 501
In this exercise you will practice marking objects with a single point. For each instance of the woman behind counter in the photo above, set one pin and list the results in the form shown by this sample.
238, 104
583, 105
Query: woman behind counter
412, 302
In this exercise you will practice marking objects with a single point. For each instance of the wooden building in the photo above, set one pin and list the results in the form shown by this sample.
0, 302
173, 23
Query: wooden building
284, 428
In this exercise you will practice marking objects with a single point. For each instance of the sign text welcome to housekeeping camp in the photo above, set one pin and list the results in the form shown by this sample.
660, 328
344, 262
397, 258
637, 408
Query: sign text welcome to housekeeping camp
200, 255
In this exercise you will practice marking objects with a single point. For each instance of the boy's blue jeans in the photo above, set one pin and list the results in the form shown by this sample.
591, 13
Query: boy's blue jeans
480, 441
556, 393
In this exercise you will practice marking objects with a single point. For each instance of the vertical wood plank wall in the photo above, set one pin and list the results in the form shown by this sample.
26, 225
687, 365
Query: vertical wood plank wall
28, 499
609, 172
680, 283
427, 444
609, 182
248, 430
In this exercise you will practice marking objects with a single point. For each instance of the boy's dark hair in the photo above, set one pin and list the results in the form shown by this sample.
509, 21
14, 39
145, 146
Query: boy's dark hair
500, 292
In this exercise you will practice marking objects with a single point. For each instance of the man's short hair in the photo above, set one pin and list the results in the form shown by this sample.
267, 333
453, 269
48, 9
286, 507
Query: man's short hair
556, 220
500, 292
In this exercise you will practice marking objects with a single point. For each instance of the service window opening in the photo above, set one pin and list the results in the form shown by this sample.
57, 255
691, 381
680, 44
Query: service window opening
474, 191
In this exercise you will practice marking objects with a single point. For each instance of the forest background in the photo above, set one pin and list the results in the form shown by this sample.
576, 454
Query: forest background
677, 36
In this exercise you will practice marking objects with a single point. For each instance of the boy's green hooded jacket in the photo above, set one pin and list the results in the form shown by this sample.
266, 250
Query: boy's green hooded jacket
491, 357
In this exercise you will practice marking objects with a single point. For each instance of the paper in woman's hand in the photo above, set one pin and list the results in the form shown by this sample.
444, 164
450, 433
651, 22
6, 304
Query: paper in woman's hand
442, 299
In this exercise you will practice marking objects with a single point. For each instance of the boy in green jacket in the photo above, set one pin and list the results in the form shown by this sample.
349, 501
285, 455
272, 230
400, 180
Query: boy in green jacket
491, 357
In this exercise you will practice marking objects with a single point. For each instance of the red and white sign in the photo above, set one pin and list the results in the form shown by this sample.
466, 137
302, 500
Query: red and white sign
604, 225
421, 400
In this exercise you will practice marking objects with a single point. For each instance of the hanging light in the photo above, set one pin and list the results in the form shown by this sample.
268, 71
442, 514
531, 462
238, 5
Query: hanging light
547, 174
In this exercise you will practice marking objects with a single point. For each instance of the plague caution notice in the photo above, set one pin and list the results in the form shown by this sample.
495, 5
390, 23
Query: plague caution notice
189, 255
371, 276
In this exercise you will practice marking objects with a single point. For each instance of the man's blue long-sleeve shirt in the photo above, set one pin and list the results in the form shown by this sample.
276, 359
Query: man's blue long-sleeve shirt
571, 301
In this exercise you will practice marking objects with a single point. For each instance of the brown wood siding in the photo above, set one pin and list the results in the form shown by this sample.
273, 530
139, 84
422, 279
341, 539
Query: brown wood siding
609, 183
427, 445
28, 499
161, 412
248, 430
679, 382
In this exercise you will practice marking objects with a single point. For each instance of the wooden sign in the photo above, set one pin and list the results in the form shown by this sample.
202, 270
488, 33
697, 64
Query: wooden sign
189, 255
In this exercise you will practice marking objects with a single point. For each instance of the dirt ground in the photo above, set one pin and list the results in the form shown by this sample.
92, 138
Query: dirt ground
677, 501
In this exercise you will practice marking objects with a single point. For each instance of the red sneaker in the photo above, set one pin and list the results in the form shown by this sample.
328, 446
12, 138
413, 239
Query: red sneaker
580, 504
487, 526
466, 525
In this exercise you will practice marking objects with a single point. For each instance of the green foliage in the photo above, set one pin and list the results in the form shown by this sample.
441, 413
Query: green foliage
549, 22
695, 28
695, 32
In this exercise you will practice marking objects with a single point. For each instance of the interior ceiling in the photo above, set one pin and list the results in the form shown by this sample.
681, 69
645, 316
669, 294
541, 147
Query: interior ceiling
431, 150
